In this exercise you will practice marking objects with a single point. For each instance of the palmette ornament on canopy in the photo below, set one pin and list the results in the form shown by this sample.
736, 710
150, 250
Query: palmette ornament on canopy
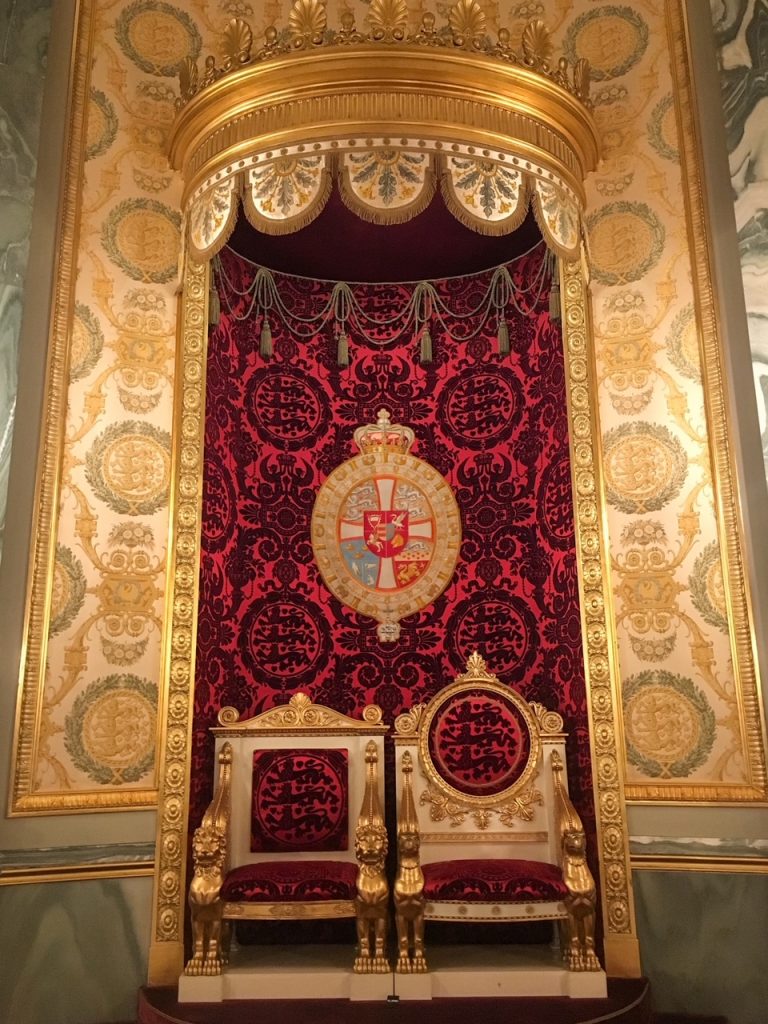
386, 528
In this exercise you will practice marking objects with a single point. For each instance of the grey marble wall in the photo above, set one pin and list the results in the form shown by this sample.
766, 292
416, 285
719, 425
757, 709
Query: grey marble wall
741, 34
24, 26
703, 942
73, 952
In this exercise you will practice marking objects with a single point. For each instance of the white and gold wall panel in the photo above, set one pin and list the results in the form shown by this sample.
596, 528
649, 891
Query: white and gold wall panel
88, 717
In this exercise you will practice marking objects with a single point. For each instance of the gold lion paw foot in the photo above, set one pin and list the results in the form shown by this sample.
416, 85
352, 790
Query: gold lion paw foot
406, 965
194, 966
591, 963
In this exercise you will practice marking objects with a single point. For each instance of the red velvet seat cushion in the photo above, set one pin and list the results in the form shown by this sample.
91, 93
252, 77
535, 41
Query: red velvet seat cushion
493, 881
291, 881
299, 802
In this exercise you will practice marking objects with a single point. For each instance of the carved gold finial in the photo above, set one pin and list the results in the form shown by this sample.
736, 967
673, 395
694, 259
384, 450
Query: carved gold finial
370, 814
388, 19
467, 22
238, 40
408, 821
427, 33
348, 34
307, 23
537, 45
582, 74
384, 434
476, 665
188, 78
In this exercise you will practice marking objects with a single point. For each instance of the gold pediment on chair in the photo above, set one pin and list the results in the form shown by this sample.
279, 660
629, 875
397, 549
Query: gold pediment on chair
297, 715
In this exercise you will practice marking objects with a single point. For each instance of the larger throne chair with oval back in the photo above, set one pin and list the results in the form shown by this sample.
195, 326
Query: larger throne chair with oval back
487, 833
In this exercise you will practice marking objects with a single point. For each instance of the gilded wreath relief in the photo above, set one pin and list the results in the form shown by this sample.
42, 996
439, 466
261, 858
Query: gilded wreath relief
386, 529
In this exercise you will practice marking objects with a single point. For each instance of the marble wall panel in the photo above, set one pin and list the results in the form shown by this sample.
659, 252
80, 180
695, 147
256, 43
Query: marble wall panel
23, 43
73, 952
703, 945
741, 34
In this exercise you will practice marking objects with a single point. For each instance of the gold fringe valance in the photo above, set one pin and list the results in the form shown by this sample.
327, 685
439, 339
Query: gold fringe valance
386, 184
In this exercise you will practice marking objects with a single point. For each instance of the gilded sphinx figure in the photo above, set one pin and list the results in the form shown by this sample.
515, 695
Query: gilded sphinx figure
372, 900
409, 883
579, 952
209, 852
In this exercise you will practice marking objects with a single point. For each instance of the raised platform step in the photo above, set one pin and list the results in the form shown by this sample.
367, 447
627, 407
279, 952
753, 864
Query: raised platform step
628, 1002
455, 972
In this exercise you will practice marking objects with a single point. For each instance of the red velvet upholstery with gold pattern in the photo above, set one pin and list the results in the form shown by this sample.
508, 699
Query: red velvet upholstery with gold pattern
479, 742
493, 881
300, 801
291, 881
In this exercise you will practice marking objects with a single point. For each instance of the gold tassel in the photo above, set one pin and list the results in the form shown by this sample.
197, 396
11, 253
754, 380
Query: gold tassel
342, 349
554, 293
503, 337
265, 343
426, 347
214, 306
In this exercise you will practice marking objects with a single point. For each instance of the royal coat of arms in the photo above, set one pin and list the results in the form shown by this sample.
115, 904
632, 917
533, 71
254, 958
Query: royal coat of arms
386, 528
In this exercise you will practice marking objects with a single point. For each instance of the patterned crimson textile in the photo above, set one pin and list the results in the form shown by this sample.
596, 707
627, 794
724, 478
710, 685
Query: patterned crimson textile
291, 881
479, 742
493, 881
299, 800
494, 426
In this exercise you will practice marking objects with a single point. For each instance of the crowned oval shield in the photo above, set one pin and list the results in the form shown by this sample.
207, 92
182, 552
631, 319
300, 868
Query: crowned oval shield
386, 528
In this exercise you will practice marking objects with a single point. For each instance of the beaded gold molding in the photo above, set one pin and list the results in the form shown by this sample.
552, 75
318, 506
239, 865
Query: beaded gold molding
597, 629
167, 942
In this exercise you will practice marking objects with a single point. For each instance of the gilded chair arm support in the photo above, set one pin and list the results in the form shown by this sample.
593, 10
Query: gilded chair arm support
582, 894
567, 816
409, 882
210, 853
210, 843
372, 901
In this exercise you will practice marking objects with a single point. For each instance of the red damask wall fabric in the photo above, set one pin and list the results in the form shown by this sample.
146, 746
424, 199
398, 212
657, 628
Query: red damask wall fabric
494, 426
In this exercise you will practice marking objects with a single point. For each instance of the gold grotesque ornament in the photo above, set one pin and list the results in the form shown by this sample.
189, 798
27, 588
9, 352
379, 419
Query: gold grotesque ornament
386, 528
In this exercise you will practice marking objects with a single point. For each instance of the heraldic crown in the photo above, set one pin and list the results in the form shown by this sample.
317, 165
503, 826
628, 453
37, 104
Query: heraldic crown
383, 435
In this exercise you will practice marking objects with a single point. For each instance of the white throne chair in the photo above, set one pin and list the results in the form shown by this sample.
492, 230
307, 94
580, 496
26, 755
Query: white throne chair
487, 833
